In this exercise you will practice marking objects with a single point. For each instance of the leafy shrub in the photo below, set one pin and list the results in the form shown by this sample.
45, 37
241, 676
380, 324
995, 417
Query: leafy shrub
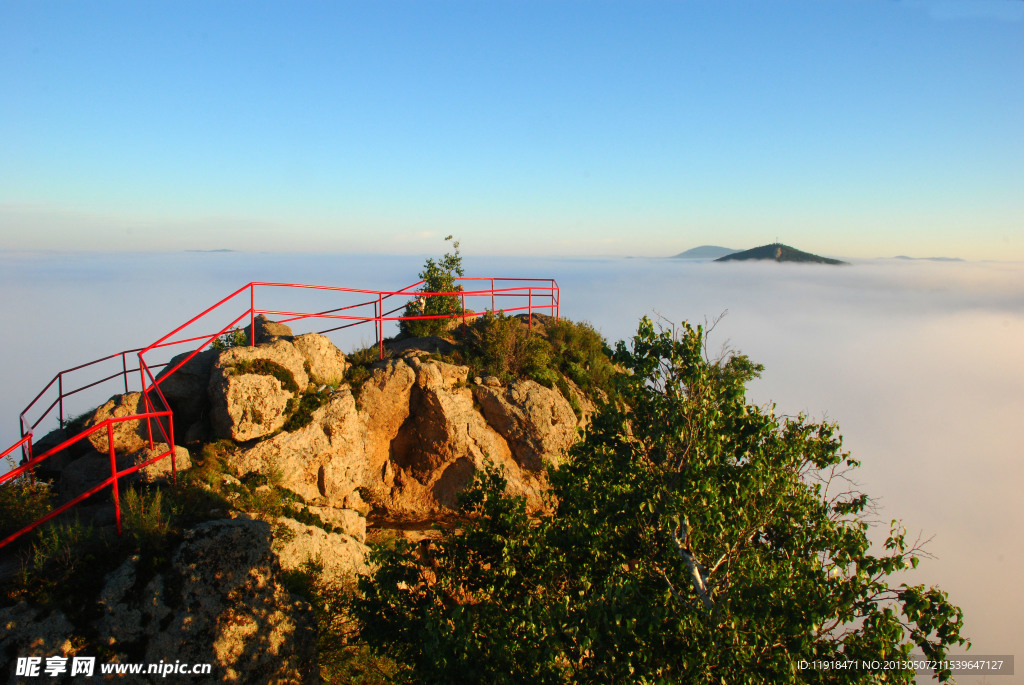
236, 337
503, 346
146, 516
265, 367
582, 355
301, 410
67, 560
361, 367
21, 503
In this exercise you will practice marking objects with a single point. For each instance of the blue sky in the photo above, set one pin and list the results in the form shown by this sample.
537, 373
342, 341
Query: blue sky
857, 129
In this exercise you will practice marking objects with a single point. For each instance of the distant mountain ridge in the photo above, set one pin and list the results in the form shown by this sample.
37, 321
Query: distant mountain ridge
705, 252
930, 259
779, 253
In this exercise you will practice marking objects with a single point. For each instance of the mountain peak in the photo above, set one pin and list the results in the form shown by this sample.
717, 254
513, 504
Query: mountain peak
779, 253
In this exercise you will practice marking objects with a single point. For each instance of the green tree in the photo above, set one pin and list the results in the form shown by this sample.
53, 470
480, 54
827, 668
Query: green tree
691, 537
438, 277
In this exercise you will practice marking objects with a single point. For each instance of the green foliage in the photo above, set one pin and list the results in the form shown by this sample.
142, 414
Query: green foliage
503, 346
479, 620
265, 367
301, 410
21, 503
360, 368
65, 561
438, 277
146, 516
236, 337
696, 538
343, 659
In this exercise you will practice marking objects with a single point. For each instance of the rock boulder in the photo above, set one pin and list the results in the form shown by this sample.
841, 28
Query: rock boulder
90, 470
326, 362
247, 401
425, 440
185, 389
341, 557
324, 462
129, 436
232, 609
537, 422
267, 330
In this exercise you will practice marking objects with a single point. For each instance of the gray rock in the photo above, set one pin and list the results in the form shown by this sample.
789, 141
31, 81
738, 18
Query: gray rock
537, 422
26, 630
327, 364
247, 405
267, 330
322, 462
90, 470
128, 436
233, 610
342, 557
52, 466
352, 522
185, 389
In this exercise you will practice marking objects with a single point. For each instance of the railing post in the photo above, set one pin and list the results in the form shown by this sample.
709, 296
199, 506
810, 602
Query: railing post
170, 436
463, 312
60, 397
492, 294
529, 325
113, 474
21, 428
147, 406
124, 372
32, 469
380, 325
252, 315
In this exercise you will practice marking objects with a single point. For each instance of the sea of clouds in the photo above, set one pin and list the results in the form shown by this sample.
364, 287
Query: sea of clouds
918, 361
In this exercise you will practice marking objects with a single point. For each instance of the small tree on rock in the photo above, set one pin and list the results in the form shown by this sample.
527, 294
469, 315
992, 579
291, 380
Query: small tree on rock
438, 277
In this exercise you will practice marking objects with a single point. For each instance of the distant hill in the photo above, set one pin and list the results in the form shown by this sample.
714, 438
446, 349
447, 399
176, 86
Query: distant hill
779, 253
705, 252
929, 259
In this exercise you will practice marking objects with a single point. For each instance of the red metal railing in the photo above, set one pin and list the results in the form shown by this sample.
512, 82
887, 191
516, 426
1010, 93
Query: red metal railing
538, 294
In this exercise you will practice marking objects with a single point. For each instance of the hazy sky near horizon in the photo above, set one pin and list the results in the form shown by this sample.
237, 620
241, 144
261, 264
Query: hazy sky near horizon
854, 129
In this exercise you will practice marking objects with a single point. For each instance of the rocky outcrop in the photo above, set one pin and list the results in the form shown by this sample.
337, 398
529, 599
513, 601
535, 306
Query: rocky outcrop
91, 469
420, 432
220, 601
425, 440
397, 451
325, 362
231, 610
350, 520
323, 462
340, 557
250, 387
128, 436
537, 422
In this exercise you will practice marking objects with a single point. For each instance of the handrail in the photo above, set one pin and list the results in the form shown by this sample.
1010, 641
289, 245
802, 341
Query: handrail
547, 298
